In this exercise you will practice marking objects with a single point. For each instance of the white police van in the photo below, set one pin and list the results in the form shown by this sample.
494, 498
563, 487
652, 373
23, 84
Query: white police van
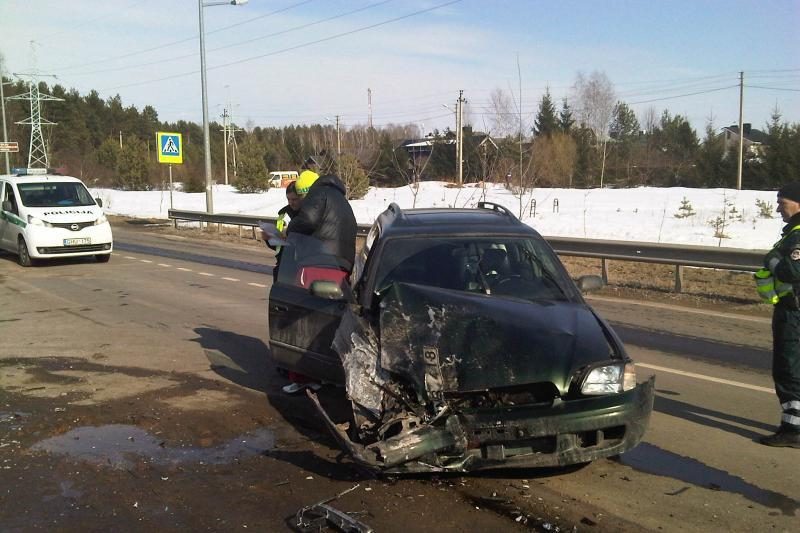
45, 216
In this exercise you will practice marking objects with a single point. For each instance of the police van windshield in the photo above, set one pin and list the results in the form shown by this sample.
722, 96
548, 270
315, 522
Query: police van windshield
54, 194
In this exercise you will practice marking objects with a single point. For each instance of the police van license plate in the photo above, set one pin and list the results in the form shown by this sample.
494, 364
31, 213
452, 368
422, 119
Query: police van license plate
77, 242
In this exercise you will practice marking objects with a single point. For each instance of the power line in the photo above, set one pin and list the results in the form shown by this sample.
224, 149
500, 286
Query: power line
683, 95
239, 43
775, 70
115, 13
187, 39
772, 88
288, 49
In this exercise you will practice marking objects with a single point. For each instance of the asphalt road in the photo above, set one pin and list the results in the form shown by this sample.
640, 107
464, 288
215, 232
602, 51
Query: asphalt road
138, 394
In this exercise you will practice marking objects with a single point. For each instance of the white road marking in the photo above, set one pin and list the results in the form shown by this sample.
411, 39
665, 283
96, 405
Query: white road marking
164, 265
206, 274
185, 269
145, 260
130, 257
257, 285
230, 279
707, 378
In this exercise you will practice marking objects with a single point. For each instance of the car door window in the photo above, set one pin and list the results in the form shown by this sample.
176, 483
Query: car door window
11, 198
305, 259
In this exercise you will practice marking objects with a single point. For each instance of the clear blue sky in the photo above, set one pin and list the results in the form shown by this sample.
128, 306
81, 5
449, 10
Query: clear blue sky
300, 61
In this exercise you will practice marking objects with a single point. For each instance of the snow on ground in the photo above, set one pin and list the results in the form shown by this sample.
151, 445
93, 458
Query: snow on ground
645, 214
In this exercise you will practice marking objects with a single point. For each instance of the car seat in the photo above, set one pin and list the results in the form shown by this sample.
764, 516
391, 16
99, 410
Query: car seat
494, 262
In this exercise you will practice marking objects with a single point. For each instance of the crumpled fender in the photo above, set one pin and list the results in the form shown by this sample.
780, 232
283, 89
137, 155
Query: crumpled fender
399, 449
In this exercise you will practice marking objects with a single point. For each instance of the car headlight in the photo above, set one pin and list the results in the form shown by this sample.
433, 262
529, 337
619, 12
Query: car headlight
610, 379
101, 220
32, 220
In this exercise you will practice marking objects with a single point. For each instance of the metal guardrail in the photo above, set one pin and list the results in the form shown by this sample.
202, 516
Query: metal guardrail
669, 254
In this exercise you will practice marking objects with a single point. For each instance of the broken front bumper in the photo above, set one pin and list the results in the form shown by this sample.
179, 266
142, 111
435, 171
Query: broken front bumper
569, 432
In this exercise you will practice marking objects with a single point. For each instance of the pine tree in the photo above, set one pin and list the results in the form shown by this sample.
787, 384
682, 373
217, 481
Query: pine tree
546, 122
252, 172
565, 119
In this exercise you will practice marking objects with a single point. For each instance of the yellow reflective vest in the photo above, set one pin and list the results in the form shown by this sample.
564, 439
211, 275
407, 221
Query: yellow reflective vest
769, 287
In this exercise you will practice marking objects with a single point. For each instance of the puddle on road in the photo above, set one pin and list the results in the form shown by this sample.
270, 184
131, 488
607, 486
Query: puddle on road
120, 446
654, 460
15, 420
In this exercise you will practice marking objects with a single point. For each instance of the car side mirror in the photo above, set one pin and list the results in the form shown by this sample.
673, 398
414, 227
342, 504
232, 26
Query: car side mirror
329, 290
590, 283
99, 202
6, 205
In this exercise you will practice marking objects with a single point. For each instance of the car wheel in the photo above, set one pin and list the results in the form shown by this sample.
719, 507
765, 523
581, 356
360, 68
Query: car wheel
102, 258
23, 256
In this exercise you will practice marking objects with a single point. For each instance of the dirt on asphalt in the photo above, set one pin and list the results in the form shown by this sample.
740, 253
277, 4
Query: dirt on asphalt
89, 446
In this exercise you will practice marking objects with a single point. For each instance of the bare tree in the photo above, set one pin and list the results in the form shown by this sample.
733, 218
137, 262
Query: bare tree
503, 120
649, 120
594, 100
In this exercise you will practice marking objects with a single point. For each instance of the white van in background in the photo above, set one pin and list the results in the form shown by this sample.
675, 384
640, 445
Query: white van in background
45, 216
281, 178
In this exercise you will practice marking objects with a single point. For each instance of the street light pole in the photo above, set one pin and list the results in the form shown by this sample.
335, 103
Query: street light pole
3, 104
206, 134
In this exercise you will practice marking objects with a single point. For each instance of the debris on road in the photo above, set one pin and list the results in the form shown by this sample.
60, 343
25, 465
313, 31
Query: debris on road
320, 515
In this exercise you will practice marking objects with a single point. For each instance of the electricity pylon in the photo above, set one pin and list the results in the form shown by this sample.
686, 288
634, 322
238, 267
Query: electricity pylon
37, 153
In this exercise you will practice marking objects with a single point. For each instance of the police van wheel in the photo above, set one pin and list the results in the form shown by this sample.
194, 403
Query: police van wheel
23, 256
102, 258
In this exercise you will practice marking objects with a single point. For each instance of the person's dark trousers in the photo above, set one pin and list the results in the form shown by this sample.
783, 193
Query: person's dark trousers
786, 363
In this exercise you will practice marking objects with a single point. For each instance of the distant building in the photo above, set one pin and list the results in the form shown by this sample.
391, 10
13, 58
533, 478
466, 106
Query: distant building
754, 141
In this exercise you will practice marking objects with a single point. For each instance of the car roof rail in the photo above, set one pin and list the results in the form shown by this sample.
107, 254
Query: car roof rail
395, 210
496, 207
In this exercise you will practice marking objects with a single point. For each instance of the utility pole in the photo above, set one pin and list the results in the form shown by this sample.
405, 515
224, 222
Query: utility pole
3, 104
37, 152
460, 138
338, 138
225, 141
369, 106
120, 140
741, 133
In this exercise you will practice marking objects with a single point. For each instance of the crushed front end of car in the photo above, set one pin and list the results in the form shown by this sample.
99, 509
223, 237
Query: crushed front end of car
445, 380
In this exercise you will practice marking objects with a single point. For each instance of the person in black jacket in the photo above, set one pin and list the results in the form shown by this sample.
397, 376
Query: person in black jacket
326, 215
783, 262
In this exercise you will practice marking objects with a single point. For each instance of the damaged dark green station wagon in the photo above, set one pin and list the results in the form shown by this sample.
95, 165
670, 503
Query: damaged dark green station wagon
464, 345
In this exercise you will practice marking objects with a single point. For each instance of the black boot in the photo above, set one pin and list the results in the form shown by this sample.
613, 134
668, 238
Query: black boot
784, 437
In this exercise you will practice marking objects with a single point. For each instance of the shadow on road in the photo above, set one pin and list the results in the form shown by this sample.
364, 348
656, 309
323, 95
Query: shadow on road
238, 358
709, 417
246, 361
720, 353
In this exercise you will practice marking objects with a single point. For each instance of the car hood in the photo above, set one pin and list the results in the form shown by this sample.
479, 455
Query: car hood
452, 341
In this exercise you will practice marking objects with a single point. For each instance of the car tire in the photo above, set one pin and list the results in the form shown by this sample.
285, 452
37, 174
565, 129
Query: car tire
23, 257
102, 258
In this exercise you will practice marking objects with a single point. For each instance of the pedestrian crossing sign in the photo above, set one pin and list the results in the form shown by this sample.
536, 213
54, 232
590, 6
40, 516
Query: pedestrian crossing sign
170, 148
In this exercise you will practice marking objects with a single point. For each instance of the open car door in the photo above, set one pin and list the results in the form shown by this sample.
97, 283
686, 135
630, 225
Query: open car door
302, 319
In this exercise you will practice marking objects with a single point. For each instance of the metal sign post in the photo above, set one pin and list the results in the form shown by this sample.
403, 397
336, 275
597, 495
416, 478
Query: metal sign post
170, 193
170, 151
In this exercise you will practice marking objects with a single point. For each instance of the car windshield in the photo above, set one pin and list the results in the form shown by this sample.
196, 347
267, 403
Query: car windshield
54, 194
515, 267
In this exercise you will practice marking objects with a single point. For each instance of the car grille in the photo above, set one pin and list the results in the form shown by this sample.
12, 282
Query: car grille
74, 249
531, 394
72, 226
